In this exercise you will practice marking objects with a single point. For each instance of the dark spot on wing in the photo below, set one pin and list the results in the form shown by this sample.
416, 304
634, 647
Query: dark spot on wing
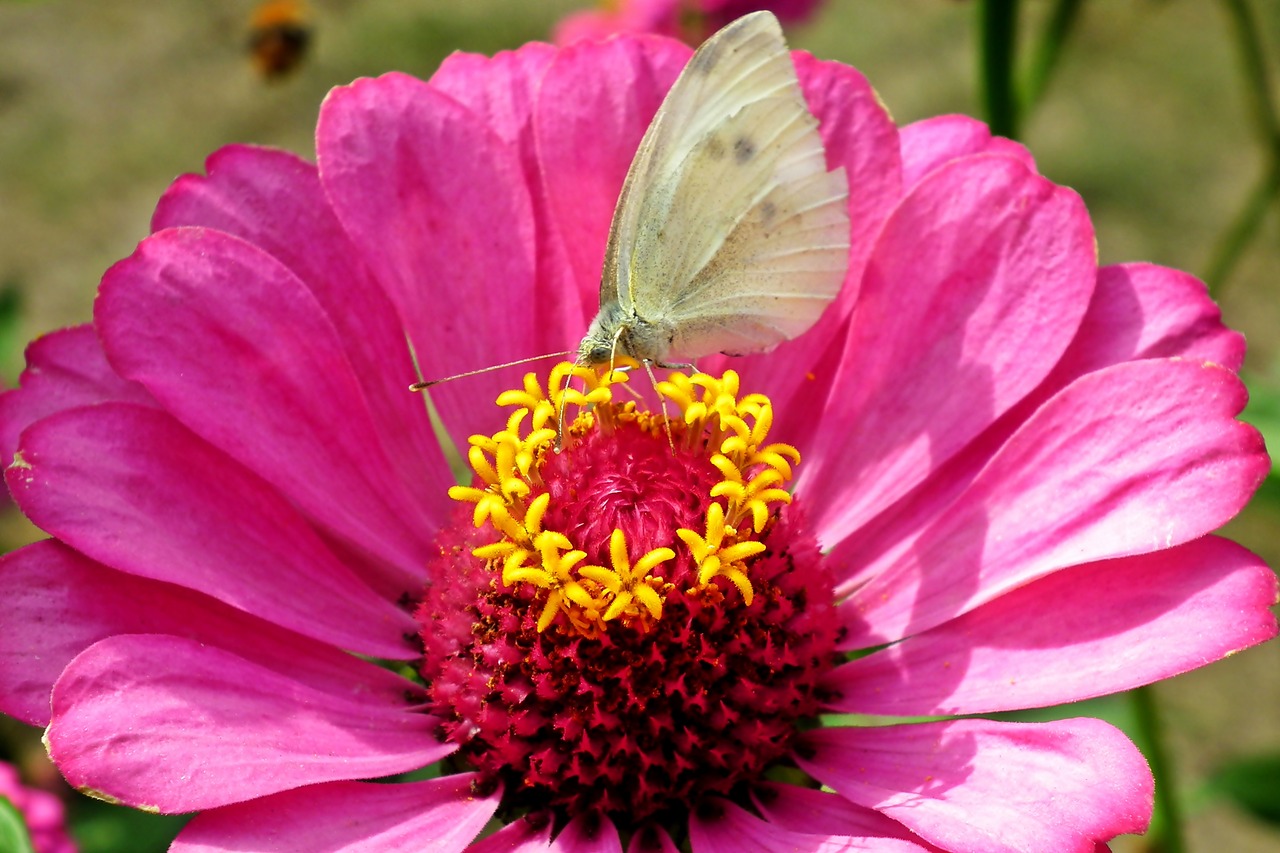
715, 147
768, 210
706, 56
744, 149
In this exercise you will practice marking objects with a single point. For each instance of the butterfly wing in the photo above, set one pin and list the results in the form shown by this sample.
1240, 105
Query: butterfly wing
729, 227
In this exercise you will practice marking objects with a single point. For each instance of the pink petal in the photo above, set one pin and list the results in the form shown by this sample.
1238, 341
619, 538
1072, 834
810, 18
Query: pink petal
522, 836
503, 91
131, 488
501, 88
1148, 311
1081, 632
586, 25
652, 839
588, 833
988, 787
160, 722
274, 200
788, 11
722, 827
437, 205
41, 811
806, 810
975, 289
661, 17
587, 126
1135, 458
65, 369
1138, 311
347, 817
860, 136
198, 317
930, 143
49, 584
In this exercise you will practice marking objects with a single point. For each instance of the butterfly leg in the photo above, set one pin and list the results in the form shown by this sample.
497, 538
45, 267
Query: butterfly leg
653, 380
613, 351
564, 392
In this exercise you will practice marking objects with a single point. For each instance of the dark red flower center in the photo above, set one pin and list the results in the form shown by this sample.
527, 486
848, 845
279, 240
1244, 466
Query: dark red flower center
633, 623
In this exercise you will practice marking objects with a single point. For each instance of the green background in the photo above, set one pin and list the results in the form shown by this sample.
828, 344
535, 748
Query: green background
103, 103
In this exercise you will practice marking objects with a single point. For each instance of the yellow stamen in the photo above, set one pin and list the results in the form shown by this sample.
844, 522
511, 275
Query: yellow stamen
509, 496
628, 584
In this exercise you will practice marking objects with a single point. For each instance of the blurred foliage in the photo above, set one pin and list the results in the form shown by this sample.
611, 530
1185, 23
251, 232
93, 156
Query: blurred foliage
1111, 709
1252, 784
1159, 112
103, 828
12, 339
1263, 412
14, 837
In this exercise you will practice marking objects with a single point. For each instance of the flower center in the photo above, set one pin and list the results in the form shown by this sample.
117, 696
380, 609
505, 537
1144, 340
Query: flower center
636, 620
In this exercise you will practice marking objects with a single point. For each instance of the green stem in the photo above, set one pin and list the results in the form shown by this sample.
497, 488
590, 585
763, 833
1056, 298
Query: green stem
1244, 227
997, 32
1253, 57
1166, 834
1049, 47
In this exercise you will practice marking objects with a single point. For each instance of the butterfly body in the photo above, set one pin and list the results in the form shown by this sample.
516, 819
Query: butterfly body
729, 235
615, 330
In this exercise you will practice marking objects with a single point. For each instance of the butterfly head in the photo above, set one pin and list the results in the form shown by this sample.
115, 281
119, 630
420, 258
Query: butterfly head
615, 332
605, 338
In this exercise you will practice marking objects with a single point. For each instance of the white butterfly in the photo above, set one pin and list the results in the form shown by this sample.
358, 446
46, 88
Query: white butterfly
730, 235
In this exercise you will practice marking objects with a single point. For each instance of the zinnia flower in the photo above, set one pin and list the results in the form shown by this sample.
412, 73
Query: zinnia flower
986, 480
689, 20
41, 811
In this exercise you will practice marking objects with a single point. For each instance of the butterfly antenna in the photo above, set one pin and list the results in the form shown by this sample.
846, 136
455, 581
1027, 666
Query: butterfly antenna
564, 393
425, 384
662, 400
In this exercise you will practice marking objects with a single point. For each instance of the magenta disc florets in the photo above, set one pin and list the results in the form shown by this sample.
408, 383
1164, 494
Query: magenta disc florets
632, 623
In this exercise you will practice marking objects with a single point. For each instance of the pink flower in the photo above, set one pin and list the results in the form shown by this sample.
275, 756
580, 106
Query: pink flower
690, 20
41, 810
1012, 465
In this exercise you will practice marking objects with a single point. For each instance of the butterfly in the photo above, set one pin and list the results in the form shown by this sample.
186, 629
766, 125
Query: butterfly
730, 235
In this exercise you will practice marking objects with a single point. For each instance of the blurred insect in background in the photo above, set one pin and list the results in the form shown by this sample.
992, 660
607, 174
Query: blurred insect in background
280, 33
